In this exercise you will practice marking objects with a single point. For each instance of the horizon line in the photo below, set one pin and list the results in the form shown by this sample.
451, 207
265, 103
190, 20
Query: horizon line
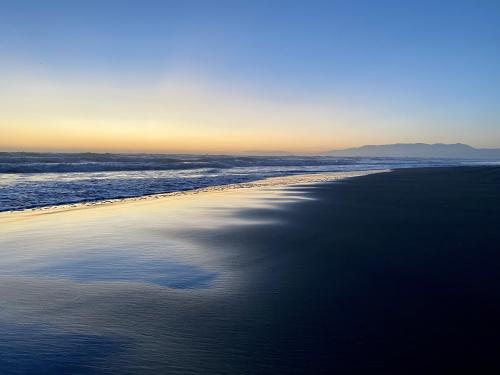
244, 152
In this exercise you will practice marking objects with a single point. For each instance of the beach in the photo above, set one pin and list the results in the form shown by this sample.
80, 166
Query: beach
387, 273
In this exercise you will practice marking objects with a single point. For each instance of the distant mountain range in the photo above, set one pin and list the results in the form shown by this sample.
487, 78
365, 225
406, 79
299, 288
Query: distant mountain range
419, 150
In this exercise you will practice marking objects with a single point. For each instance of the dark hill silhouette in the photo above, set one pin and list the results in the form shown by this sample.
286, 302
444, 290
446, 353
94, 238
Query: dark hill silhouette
437, 150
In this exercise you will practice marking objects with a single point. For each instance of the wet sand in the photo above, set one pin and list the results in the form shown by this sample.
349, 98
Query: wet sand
391, 273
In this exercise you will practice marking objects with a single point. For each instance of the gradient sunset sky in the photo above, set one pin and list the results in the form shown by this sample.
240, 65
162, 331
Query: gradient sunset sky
230, 76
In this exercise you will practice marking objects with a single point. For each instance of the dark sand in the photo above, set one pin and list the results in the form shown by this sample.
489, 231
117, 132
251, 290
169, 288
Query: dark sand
393, 273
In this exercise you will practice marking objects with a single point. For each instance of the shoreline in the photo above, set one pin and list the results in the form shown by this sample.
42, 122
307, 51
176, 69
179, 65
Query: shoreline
307, 178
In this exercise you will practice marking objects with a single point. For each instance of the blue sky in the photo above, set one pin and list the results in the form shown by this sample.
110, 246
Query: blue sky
394, 70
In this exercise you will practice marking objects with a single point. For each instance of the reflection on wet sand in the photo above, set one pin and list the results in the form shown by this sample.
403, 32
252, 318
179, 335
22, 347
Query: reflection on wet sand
139, 280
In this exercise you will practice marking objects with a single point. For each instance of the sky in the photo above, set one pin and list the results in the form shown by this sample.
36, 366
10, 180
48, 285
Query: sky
234, 76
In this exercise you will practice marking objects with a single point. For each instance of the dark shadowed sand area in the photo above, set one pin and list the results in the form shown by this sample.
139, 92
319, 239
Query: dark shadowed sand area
391, 273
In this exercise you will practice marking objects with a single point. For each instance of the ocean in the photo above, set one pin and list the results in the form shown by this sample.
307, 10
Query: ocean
33, 180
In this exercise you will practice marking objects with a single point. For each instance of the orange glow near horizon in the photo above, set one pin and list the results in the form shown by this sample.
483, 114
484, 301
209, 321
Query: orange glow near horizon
175, 116
182, 114
155, 141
